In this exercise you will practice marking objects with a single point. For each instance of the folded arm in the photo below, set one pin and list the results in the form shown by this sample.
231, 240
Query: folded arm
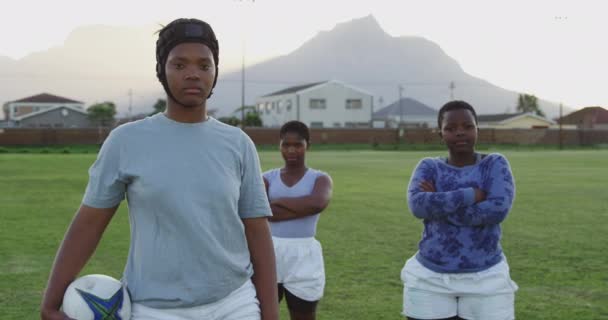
293, 208
434, 205
281, 213
500, 193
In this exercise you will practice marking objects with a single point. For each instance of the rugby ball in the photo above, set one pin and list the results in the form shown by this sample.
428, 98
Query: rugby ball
97, 297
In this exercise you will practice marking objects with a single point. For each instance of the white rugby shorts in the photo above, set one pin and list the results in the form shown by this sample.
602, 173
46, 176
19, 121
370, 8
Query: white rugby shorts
300, 266
241, 304
487, 294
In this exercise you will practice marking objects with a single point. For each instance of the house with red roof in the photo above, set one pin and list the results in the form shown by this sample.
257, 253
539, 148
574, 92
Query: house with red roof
587, 118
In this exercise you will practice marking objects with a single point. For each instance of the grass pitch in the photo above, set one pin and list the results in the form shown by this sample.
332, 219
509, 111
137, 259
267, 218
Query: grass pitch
555, 237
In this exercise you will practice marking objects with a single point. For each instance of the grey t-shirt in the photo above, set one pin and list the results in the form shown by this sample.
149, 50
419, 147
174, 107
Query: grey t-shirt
188, 186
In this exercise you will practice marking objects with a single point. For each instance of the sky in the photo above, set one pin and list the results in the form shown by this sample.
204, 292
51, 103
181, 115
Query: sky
554, 49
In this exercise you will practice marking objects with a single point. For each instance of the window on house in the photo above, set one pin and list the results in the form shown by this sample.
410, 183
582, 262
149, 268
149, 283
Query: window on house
20, 110
317, 104
316, 124
349, 125
354, 104
337, 125
288, 105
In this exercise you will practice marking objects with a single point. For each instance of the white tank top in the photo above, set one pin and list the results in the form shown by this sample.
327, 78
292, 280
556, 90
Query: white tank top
304, 227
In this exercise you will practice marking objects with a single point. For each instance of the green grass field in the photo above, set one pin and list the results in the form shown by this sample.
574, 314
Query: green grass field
556, 237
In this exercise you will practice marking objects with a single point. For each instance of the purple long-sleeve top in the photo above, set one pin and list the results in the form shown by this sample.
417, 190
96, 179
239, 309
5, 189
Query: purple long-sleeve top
460, 235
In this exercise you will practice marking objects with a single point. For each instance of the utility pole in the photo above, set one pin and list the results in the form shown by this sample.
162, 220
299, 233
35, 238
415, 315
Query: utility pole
243, 87
561, 111
130, 104
452, 87
243, 72
400, 106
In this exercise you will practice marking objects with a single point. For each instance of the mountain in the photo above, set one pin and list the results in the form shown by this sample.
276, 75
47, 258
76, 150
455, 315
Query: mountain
360, 53
98, 63
94, 64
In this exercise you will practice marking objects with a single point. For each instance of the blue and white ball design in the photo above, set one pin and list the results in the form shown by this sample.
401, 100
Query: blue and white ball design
97, 297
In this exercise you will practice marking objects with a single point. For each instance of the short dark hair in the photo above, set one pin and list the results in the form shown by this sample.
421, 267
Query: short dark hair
455, 105
296, 127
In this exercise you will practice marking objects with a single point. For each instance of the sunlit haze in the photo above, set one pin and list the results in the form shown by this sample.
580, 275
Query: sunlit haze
554, 49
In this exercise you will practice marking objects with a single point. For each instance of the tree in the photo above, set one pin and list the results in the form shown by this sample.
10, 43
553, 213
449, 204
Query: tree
102, 113
233, 121
252, 117
529, 103
159, 106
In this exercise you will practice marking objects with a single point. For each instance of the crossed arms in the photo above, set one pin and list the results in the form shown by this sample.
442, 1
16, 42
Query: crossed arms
293, 208
468, 206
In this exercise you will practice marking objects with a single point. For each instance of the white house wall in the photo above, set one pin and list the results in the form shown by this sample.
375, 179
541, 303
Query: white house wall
415, 120
521, 122
335, 114
276, 110
38, 106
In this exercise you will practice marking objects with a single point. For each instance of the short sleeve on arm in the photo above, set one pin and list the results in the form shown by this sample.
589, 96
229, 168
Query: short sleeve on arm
268, 175
106, 189
253, 201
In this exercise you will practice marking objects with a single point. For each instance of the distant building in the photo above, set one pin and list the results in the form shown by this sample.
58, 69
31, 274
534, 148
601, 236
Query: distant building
523, 120
408, 113
57, 117
329, 104
587, 118
45, 111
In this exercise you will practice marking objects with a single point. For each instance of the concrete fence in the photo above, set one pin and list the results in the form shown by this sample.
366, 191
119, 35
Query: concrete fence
44, 137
